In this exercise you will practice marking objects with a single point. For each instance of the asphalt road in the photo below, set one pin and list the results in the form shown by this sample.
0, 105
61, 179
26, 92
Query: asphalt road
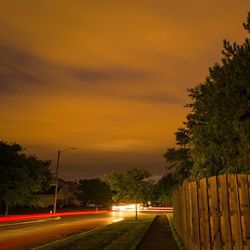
36, 234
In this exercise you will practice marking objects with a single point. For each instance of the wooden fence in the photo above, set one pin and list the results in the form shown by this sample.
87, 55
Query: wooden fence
214, 213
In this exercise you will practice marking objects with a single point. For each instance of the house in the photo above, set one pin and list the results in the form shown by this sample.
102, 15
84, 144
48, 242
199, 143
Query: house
67, 195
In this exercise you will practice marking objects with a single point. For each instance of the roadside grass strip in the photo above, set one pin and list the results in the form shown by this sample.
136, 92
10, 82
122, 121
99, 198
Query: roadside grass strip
176, 236
121, 235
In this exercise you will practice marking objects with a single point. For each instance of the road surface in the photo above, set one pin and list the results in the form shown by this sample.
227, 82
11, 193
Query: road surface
36, 234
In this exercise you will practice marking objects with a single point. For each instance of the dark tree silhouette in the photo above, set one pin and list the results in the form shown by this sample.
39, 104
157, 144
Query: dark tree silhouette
95, 191
21, 177
215, 138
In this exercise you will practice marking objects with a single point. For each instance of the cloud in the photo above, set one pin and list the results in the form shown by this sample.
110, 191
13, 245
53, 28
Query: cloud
20, 69
118, 79
102, 75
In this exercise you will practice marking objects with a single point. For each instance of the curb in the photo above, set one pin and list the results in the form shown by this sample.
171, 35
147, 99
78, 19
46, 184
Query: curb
5, 225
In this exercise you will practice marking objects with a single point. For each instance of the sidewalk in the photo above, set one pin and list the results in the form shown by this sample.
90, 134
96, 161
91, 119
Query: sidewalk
159, 236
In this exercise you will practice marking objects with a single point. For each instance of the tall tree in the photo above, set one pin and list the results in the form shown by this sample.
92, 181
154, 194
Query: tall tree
22, 176
215, 138
131, 186
220, 114
216, 130
95, 191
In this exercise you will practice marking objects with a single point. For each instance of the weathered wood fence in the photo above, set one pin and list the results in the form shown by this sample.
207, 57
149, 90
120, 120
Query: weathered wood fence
214, 213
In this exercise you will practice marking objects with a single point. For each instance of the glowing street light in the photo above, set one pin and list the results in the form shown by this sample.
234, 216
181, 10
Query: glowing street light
57, 168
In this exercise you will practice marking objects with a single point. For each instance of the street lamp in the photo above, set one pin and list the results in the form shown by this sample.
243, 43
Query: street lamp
57, 168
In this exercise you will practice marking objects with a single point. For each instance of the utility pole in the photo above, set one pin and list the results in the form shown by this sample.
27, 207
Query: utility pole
57, 171
56, 187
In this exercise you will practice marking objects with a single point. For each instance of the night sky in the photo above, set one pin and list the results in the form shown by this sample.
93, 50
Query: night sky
107, 77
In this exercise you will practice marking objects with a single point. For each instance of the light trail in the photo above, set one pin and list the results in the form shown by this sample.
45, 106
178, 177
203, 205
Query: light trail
129, 207
16, 218
167, 209
140, 208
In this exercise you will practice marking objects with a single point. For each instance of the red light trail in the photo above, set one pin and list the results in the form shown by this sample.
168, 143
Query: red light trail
16, 218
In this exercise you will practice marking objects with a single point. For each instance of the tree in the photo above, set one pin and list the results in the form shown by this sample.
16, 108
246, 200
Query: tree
179, 163
215, 138
220, 114
95, 191
178, 160
131, 186
22, 176
164, 188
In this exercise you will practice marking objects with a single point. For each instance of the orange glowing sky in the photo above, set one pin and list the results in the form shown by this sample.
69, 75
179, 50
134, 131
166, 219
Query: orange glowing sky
108, 77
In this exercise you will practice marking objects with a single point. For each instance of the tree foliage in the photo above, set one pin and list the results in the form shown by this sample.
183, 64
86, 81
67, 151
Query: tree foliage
164, 188
219, 120
22, 176
216, 132
179, 164
131, 186
95, 191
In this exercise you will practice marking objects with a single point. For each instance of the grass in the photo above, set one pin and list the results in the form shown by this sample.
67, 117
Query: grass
121, 235
176, 236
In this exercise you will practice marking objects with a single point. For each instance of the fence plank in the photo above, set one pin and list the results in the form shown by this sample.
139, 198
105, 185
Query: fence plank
245, 209
226, 235
185, 214
204, 215
215, 213
248, 215
189, 223
234, 212
183, 227
195, 216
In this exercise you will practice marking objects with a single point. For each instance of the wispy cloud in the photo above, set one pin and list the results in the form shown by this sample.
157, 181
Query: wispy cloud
102, 75
18, 69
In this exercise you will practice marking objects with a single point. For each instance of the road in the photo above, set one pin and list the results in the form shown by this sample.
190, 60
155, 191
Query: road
35, 234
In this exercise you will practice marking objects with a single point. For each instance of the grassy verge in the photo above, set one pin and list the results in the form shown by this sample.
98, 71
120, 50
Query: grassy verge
121, 235
176, 236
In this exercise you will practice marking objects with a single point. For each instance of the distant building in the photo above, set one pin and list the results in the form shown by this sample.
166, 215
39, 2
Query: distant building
67, 195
